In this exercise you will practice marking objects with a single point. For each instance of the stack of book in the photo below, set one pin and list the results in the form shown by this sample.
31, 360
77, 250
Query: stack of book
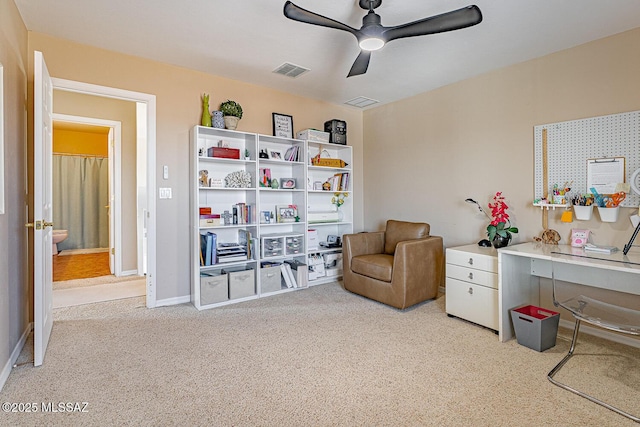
230, 252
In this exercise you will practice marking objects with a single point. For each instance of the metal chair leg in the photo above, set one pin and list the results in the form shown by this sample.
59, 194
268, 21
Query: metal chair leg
556, 369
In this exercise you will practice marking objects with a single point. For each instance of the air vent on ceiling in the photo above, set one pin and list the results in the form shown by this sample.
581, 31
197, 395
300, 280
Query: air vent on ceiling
290, 70
361, 102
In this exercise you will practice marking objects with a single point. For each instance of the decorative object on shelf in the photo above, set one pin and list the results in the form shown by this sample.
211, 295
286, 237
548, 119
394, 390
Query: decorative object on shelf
287, 213
263, 154
203, 178
217, 120
247, 154
238, 179
276, 155
338, 199
549, 237
287, 183
206, 115
232, 112
282, 125
500, 229
265, 177
226, 216
484, 242
274, 184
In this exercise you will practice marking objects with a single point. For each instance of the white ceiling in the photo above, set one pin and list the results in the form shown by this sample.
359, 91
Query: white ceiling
247, 39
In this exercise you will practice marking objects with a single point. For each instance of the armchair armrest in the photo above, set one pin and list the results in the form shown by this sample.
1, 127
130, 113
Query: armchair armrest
418, 265
363, 244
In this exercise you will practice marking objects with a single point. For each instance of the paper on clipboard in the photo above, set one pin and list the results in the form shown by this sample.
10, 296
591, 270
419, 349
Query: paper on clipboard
605, 174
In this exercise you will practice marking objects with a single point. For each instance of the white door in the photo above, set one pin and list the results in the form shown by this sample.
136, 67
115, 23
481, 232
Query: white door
42, 209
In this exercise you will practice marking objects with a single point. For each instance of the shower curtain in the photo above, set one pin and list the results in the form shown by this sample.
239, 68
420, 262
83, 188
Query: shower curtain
80, 194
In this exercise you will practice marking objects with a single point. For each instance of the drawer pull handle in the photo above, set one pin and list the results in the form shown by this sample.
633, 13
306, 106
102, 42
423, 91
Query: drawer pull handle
470, 261
470, 291
471, 276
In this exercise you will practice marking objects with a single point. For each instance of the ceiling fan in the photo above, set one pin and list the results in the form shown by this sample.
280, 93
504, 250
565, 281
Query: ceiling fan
373, 35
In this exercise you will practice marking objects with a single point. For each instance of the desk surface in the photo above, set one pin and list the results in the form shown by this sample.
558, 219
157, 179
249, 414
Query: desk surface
568, 254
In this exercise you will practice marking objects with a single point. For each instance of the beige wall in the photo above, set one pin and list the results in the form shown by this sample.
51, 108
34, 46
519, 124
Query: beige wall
427, 154
97, 107
14, 290
178, 92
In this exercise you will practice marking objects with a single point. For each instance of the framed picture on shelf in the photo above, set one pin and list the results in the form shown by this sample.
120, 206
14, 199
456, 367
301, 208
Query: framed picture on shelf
276, 155
265, 217
286, 213
287, 183
265, 177
282, 125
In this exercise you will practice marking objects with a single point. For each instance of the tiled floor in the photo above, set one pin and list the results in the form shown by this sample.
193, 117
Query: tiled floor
80, 266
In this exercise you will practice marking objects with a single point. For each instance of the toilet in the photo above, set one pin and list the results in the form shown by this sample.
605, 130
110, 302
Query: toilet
58, 236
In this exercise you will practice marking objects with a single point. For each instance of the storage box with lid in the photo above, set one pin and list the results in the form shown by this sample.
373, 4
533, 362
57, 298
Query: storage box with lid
314, 135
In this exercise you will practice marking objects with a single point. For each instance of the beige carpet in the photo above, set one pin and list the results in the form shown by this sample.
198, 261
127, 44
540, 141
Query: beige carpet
316, 357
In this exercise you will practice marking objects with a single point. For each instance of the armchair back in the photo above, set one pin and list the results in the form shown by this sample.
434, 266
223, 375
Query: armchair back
398, 231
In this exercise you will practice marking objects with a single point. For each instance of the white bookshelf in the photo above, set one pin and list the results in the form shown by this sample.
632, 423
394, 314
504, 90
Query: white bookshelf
290, 232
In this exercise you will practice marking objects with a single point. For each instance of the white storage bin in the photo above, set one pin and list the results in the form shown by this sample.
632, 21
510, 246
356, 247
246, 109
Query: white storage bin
242, 284
270, 279
213, 289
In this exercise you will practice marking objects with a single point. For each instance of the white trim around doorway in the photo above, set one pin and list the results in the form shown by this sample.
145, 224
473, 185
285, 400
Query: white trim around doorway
150, 213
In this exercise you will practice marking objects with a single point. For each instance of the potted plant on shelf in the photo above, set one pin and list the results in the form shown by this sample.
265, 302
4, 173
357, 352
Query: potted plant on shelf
232, 112
500, 229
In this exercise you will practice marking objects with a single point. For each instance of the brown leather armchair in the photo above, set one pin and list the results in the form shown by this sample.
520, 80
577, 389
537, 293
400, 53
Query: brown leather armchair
400, 266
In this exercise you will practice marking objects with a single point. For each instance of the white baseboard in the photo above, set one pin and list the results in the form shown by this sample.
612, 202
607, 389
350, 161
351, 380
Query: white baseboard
601, 333
173, 301
128, 273
6, 370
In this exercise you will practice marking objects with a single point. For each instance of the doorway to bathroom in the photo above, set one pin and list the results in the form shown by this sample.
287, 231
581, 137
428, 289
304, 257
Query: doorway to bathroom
96, 257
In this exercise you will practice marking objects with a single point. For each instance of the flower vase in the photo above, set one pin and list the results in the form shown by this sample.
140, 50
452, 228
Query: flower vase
500, 242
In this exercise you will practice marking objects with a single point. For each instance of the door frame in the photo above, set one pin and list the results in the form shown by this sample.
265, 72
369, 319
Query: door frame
115, 180
150, 212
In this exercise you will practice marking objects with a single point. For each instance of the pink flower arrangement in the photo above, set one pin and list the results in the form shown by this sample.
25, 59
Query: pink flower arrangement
500, 219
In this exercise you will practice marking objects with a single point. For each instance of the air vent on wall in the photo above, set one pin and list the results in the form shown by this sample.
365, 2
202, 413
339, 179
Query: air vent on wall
361, 102
290, 70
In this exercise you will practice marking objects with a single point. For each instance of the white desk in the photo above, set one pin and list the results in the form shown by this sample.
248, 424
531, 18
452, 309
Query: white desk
521, 266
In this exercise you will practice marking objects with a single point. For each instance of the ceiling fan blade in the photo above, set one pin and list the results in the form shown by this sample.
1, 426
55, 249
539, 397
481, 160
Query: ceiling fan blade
361, 63
297, 13
454, 20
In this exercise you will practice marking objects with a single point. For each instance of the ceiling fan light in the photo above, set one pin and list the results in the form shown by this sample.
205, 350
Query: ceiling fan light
371, 43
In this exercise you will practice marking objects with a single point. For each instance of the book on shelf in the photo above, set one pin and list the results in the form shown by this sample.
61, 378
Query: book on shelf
242, 213
292, 277
231, 258
207, 248
286, 276
292, 154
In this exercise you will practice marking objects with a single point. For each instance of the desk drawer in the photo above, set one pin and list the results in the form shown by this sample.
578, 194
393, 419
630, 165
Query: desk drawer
475, 303
477, 261
471, 275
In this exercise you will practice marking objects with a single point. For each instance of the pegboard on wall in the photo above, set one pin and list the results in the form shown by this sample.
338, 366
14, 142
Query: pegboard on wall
571, 144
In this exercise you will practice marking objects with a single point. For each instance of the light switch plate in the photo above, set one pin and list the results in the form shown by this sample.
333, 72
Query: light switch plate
165, 193
165, 172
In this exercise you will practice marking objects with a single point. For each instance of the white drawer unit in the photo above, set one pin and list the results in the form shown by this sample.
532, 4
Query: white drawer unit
472, 284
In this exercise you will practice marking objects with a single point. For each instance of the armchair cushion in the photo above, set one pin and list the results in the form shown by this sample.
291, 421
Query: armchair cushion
378, 266
398, 231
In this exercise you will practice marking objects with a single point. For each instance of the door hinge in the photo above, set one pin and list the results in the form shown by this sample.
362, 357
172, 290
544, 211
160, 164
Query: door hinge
113, 251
